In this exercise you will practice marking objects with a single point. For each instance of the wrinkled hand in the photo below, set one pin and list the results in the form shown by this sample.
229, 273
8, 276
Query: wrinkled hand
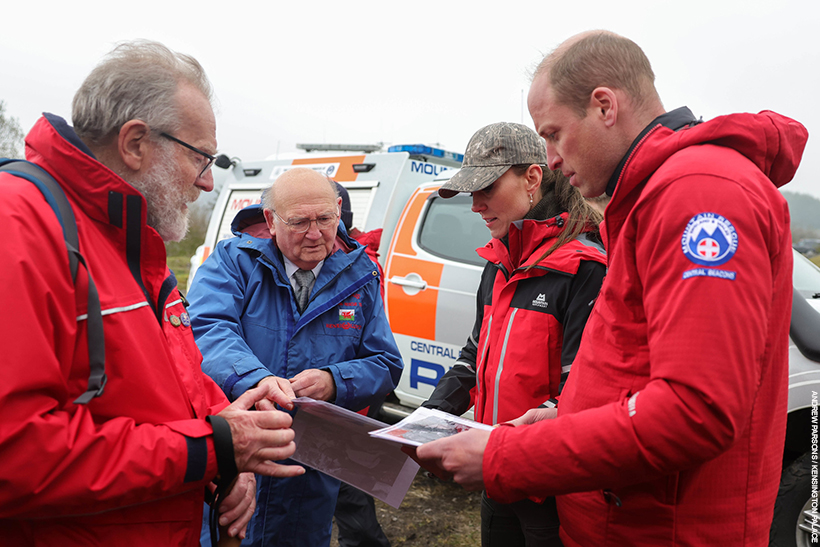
260, 437
534, 415
279, 392
238, 506
460, 457
314, 383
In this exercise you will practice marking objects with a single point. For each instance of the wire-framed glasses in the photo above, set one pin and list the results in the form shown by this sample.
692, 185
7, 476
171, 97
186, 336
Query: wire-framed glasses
209, 159
301, 225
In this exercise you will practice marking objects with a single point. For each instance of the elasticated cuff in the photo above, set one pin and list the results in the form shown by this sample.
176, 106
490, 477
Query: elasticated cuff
223, 447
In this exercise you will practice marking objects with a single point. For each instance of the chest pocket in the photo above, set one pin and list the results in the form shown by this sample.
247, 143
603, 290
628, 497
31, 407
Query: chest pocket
346, 319
534, 295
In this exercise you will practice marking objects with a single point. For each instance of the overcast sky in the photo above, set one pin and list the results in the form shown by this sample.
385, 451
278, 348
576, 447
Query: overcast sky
416, 71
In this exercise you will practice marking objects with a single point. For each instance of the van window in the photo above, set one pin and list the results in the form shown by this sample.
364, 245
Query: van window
451, 230
806, 276
360, 201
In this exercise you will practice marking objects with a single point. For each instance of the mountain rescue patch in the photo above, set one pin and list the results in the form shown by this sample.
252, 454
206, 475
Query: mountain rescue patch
709, 239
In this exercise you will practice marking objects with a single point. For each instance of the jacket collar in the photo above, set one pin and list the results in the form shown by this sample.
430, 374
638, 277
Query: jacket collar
675, 120
67, 132
772, 142
526, 241
92, 186
103, 196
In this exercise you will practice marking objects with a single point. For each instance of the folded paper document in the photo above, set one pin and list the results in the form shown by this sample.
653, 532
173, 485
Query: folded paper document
425, 425
335, 441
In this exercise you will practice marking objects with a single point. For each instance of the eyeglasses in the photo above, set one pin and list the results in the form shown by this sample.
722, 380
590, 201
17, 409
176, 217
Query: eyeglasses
209, 158
302, 225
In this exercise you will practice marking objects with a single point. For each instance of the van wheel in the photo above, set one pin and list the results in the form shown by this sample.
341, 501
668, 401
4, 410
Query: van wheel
791, 525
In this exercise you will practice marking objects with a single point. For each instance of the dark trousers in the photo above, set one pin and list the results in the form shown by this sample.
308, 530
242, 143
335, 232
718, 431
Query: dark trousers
356, 519
520, 524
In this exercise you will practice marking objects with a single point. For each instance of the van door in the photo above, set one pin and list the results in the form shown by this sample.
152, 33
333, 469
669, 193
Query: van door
432, 274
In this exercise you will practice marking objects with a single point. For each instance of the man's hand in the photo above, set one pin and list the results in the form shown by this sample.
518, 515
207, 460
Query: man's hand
314, 383
280, 392
260, 437
459, 456
238, 506
535, 415
430, 465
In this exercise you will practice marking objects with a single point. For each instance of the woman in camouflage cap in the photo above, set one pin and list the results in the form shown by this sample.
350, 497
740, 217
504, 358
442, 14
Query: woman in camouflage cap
545, 265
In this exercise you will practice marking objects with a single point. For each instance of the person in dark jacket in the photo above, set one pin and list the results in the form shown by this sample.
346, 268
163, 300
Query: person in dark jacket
355, 514
545, 265
671, 426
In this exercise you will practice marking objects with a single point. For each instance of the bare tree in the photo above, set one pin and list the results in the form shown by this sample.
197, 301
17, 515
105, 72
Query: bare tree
11, 135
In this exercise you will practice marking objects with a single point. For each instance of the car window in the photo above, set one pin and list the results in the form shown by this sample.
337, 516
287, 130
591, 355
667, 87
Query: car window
806, 277
451, 230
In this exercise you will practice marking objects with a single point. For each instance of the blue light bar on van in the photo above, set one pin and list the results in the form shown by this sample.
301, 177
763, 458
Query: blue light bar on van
424, 150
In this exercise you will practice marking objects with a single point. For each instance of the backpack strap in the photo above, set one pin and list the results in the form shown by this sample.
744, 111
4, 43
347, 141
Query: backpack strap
55, 197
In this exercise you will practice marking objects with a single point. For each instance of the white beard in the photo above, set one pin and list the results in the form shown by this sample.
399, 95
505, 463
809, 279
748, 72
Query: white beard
166, 196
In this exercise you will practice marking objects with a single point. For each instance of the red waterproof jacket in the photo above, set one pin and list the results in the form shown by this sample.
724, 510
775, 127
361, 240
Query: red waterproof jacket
671, 425
130, 467
531, 311
371, 240
528, 322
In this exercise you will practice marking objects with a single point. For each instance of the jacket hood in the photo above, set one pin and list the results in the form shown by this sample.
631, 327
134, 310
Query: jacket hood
372, 238
248, 220
774, 143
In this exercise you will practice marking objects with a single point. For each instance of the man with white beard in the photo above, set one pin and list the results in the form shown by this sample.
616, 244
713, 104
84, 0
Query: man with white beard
118, 449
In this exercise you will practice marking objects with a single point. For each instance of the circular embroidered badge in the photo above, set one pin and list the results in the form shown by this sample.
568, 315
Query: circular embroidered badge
709, 239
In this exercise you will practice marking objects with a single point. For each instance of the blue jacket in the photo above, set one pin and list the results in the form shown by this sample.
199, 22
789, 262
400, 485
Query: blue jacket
246, 324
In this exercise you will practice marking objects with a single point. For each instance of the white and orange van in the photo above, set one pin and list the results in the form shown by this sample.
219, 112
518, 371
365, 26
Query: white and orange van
432, 274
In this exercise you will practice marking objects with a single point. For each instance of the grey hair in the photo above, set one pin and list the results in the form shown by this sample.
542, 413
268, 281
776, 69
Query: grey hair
269, 199
136, 80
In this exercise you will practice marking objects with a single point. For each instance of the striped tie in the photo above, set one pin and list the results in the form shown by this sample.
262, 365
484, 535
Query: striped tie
303, 279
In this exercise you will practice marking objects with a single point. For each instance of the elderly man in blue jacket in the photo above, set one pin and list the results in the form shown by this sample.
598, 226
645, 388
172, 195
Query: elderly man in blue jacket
294, 302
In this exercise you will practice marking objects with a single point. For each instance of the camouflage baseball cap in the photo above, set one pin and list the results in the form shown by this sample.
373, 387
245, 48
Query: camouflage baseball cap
492, 150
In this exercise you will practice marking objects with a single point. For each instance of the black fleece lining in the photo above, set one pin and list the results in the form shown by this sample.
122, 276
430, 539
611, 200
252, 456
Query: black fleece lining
133, 243
67, 132
115, 209
197, 459
164, 291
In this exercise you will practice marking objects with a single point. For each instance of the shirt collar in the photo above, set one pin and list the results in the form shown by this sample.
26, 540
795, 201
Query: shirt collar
290, 268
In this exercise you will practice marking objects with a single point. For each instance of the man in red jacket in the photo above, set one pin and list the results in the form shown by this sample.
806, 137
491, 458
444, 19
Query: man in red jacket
131, 465
671, 426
